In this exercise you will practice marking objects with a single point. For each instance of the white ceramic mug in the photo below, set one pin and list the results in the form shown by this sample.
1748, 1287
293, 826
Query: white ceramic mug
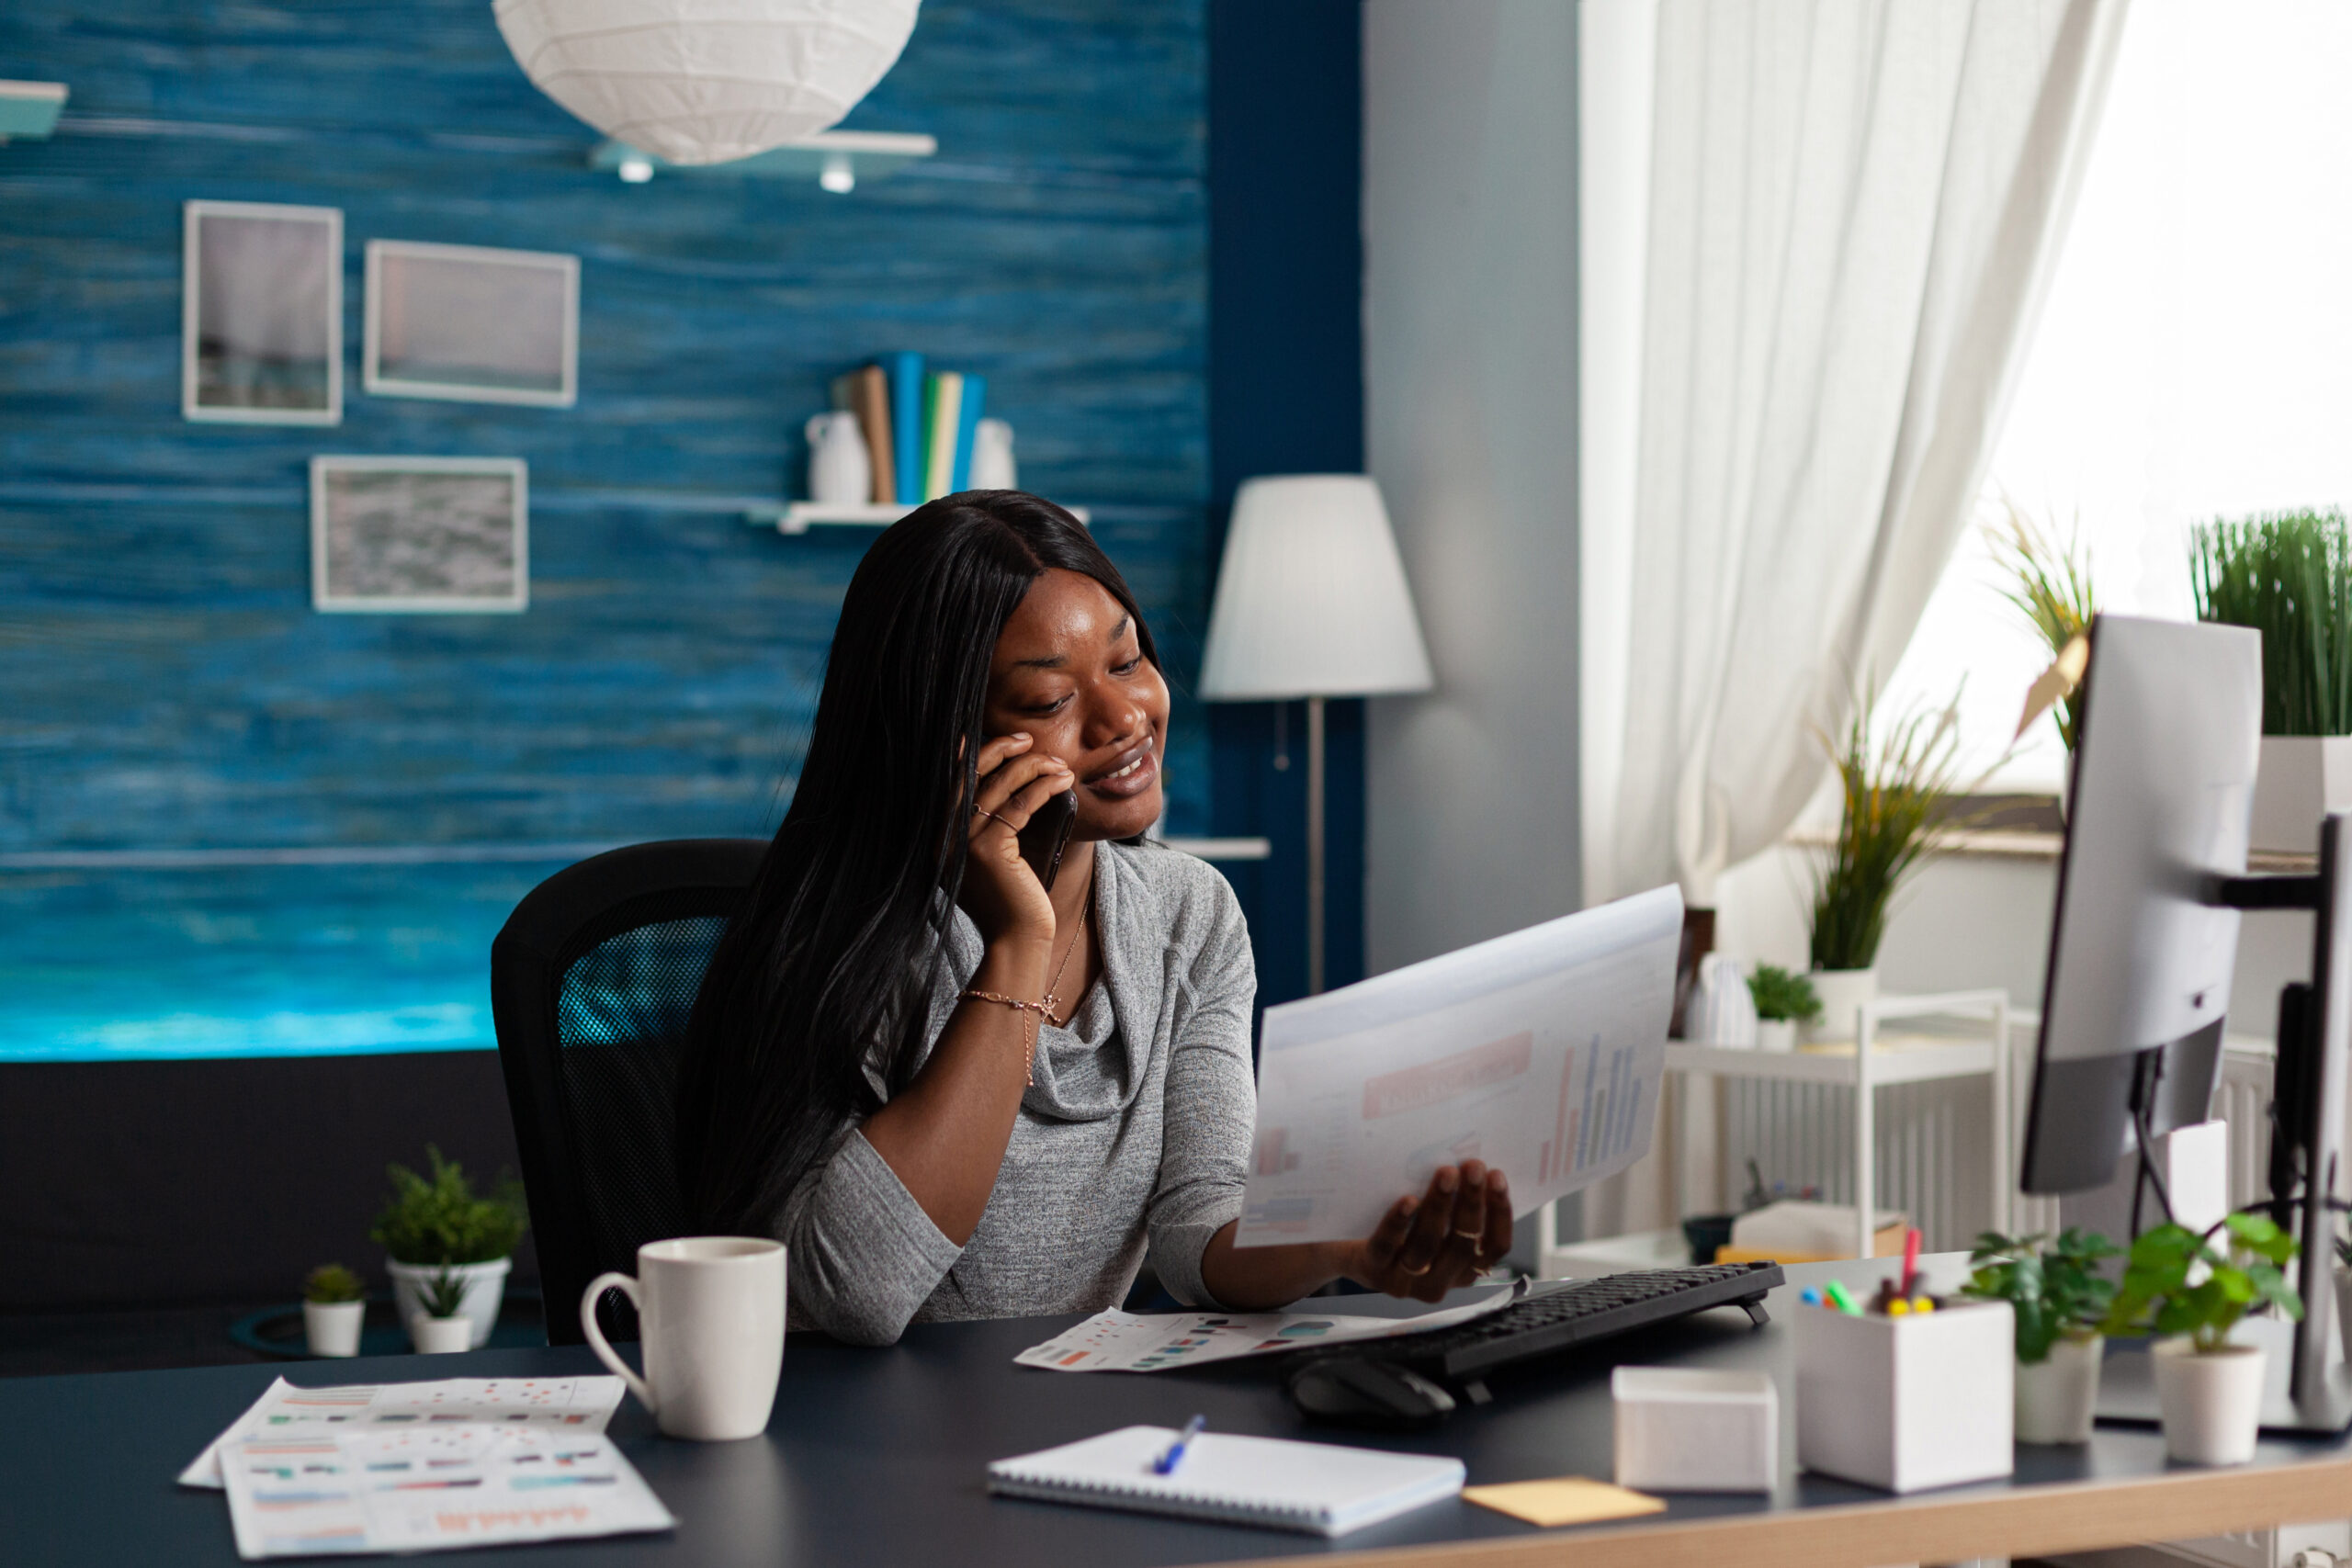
710, 1316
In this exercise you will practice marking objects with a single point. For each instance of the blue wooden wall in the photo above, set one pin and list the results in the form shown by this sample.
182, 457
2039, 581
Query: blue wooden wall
166, 694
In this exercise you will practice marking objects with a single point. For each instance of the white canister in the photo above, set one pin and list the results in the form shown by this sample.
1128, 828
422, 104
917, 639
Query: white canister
1695, 1430
485, 1287
992, 464
841, 470
2212, 1404
332, 1328
2057, 1395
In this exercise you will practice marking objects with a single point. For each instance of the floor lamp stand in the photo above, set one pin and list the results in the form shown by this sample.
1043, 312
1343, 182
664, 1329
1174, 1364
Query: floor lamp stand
1314, 846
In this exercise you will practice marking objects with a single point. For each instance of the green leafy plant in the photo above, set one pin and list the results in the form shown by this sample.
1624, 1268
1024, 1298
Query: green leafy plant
443, 1294
2288, 576
2051, 587
2247, 1274
1896, 795
441, 1221
2053, 1288
332, 1282
1779, 994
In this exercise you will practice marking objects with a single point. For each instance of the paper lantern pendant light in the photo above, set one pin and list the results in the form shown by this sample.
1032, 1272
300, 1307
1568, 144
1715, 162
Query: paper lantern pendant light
707, 81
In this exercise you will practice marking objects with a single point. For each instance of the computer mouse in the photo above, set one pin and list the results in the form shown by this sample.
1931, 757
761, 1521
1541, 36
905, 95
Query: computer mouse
1356, 1391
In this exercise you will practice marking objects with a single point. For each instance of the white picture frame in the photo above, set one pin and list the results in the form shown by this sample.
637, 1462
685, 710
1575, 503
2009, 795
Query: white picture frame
467, 323
430, 536
261, 313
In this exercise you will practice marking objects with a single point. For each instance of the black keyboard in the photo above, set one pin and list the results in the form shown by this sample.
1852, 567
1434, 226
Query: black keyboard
1556, 1318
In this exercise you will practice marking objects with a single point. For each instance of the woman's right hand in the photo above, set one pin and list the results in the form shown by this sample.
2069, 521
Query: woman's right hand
1000, 893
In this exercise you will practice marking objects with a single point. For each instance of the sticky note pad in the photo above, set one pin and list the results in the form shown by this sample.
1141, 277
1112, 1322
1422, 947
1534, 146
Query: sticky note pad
1566, 1500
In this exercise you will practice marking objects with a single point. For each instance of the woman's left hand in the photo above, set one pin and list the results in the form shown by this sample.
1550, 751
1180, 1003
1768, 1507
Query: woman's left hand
1443, 1240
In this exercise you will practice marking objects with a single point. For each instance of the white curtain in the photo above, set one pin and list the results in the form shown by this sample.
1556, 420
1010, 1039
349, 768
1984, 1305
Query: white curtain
1852, 209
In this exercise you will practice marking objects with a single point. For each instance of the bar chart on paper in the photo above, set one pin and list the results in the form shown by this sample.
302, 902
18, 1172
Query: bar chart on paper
1540, 1054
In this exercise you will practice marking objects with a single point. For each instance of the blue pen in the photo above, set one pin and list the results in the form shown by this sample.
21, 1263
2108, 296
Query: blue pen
1166, 1463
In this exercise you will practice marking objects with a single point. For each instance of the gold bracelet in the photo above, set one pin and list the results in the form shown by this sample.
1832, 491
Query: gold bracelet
1043, 1010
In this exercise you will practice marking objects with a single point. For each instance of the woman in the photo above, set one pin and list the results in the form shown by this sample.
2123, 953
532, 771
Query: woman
951, 1093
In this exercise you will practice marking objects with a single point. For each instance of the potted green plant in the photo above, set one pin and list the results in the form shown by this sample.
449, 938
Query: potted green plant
2179, 1286
2288, 576
2058, 1298
439, 1222
441, 1326
1895, 793
334, 1304
2051, 587
1782, 1001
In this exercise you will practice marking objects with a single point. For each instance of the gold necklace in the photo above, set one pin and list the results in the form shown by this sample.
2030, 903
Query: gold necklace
1085, 907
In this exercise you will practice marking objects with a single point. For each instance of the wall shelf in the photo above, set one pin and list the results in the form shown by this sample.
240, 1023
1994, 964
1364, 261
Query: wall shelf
800, 516
836, 159
30, 110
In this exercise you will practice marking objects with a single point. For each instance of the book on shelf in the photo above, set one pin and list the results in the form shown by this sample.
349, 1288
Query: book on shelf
943, 413
869, 398
967, 419
905, 374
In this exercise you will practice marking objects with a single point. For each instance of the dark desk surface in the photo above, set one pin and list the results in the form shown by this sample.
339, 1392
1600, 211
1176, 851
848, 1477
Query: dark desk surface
877, 1457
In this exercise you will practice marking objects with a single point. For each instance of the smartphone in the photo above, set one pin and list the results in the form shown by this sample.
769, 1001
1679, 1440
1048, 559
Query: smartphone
1046, 836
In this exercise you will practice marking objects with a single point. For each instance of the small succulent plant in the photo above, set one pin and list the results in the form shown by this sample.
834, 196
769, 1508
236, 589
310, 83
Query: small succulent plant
332, 1282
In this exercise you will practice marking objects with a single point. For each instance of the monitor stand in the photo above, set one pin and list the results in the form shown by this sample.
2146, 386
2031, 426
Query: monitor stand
2308, 1389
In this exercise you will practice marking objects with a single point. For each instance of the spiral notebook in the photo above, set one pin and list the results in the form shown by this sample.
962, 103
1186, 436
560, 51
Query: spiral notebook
1319, 1488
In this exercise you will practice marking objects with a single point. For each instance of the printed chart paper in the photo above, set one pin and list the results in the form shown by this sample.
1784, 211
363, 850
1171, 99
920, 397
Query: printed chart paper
1130, 1342
308, 1491
1540, 1053
570, 1404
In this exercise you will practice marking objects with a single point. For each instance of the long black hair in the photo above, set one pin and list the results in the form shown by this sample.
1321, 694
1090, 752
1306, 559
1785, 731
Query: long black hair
831, 960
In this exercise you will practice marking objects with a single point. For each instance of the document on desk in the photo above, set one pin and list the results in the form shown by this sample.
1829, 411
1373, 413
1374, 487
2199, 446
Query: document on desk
1540, 1053
568, 1404
427, 1488
1138, 1342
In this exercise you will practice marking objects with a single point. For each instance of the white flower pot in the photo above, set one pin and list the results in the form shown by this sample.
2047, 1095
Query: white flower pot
1841, 991
485, 1287
1776, 1034
2212, 1404
2056, 1396
332, 1327
441, 1336
2301, 779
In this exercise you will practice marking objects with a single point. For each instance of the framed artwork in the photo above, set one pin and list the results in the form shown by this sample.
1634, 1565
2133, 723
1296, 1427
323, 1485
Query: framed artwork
476, 325
261, 313
436, 534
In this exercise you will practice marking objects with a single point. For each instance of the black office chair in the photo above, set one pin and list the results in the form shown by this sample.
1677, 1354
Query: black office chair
589, 984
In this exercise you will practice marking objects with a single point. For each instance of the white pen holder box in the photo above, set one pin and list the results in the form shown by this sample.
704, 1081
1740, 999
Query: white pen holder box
1687, 1429
1905, 1403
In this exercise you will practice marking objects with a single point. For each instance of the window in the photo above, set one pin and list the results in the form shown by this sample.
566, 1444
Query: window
2194, 354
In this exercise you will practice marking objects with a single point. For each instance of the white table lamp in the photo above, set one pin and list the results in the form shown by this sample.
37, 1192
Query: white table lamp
1311, 602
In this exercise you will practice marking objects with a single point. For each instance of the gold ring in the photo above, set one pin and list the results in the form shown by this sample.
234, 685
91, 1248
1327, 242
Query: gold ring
995, 818
1416, 1273
1471, 1235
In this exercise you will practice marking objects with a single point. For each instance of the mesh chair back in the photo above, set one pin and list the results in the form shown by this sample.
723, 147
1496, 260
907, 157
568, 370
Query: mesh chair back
590, 983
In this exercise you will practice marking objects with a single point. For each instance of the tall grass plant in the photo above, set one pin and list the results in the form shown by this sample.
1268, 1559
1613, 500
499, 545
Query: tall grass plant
2288, 576
1896, 792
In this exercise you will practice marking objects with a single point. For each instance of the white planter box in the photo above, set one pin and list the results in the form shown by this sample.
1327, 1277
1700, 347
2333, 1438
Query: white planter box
485, 1287
1905, 1403
2302, 778
1684, 1429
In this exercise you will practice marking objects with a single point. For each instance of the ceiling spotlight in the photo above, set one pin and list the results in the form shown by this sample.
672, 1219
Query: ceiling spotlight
635, 169
838, 176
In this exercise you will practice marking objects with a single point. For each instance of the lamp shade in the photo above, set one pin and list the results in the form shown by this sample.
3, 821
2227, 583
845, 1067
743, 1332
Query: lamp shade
1311, 599
707, 81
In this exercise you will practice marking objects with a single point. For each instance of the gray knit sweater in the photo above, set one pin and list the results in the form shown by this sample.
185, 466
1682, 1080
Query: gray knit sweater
1134, 1139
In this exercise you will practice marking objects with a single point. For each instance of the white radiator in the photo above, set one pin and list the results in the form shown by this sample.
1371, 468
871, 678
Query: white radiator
1934, 1143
